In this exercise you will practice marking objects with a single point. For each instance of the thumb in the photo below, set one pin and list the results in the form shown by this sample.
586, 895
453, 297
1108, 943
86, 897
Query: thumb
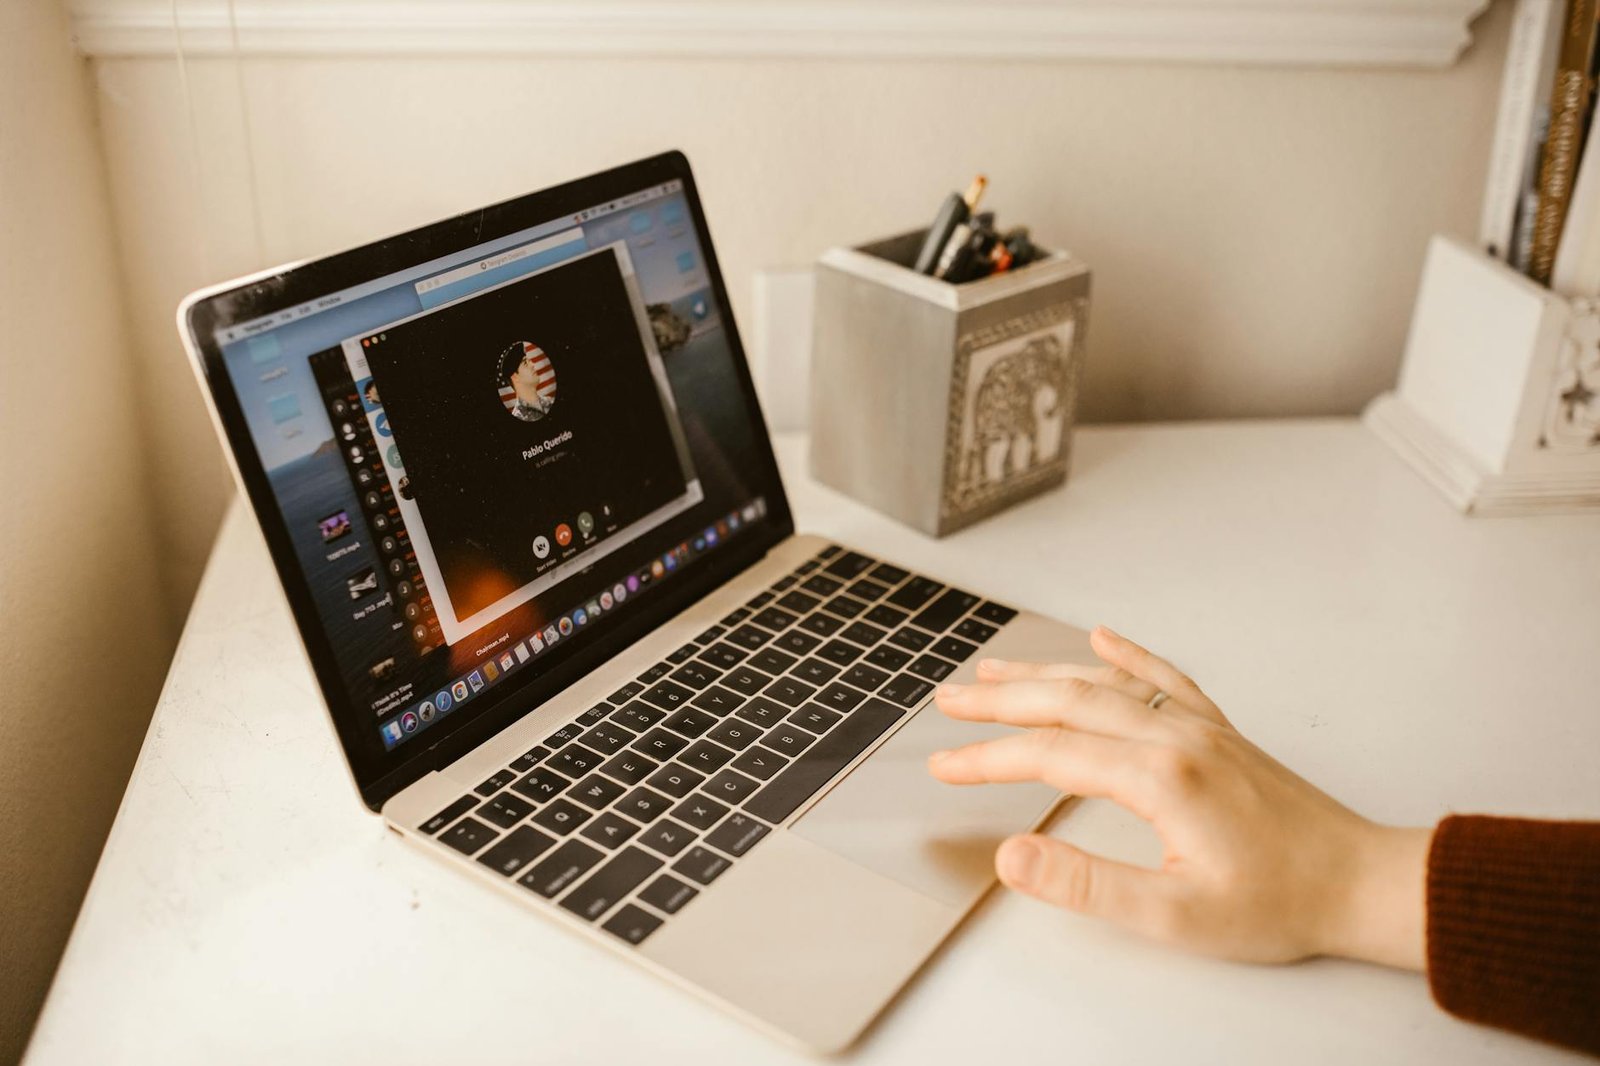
1059, 873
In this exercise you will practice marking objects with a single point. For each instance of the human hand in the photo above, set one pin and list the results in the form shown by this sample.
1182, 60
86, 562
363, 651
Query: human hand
1258, 864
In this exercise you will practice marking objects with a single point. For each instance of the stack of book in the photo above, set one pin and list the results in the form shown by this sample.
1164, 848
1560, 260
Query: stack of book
1541, 209
1498, 403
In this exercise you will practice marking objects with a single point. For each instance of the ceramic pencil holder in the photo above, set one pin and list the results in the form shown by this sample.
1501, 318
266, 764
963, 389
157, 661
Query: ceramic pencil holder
941, 404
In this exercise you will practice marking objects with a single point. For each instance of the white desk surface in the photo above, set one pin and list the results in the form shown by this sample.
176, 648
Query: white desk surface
248, 908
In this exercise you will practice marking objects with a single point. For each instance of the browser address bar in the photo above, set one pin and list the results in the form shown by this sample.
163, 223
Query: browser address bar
500, 259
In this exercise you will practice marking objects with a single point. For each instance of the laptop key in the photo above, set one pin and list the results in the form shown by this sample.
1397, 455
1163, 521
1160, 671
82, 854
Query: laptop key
775, 619
684, 654
787, 740
702, 812
632, 924
638, 716
675, 779
626, 693
714, 633
734, 734
945, 611
888, 658
609, 830
997, 613
867, 590
735, 617
667, 894
705, 756
722, 655
629, 767
667, 695
655, 673
888, 573
468, 835
863, 633
702, 865
688, 721
840, 652
520, 847
795, 642
561, 817
798, 602
730, 786
448, 815
660, 744
845, 606
815, 718
974, 630
829, 551
575, 759
759, 600
644, 804
745, 680
759, 763
931, 667
906, 690
914, 593
815, 672
864, 677
841, 697
821, 585
566, 733
596, 792
749, 637
595, 714
526, 761
806, 567
601, 890
718, 700
837, 748
910, 639
849, 565
559, 869
696, 674
784, 583
789, 691
886, 616
505, 810
737, 834
608, 738
667, 837
540, 784
772, 661
823, 625
954, 648
763, 712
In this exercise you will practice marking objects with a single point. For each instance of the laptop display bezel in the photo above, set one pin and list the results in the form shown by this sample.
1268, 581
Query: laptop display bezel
379, 775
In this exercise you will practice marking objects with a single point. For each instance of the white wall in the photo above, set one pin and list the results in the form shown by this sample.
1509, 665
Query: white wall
1255, 232
84, 634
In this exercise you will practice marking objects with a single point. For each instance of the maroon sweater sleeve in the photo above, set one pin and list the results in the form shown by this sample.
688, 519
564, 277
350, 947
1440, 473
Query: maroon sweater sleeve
1514, 925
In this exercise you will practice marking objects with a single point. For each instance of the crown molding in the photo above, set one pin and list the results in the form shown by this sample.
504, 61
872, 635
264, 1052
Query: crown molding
1406, 33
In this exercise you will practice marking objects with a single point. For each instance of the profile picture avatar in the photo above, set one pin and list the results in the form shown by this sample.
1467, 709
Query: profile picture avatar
527, 381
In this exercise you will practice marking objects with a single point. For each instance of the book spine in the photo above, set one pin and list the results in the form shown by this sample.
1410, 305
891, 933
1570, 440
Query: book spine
1570, 100
1530, 55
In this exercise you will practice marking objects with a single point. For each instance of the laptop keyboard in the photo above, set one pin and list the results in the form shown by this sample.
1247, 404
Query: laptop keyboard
624, 814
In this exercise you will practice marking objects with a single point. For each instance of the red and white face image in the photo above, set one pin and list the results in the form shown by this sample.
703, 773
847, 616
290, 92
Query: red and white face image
529, 391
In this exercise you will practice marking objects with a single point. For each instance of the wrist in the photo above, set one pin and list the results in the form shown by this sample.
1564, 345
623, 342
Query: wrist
1381, 914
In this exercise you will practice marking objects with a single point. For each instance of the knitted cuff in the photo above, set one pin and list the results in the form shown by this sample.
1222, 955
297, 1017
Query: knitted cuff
1514, 925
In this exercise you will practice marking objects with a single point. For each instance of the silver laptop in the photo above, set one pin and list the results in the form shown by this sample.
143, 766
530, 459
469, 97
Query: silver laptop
515, 481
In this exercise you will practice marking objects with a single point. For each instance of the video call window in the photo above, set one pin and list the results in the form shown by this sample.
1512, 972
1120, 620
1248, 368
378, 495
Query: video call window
535, 430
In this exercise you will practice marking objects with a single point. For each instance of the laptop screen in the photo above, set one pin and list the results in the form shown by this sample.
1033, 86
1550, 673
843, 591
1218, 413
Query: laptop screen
484, 461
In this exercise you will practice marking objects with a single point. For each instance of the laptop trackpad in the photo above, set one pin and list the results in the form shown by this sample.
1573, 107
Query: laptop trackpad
892, 817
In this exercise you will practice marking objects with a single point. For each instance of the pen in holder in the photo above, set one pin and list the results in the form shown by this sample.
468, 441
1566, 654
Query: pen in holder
941, 404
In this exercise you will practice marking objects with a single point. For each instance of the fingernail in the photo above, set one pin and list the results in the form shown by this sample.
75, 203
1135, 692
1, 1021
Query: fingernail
1019, 858
946, 692
991, 664
1108, 631
938, 756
